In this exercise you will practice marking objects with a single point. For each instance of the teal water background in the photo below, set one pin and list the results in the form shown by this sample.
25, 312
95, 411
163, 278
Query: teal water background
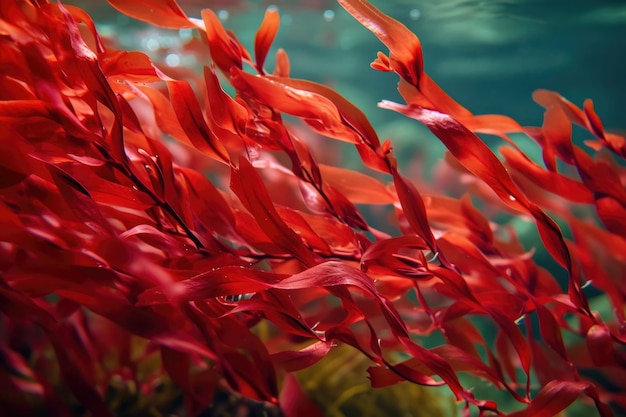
489, 55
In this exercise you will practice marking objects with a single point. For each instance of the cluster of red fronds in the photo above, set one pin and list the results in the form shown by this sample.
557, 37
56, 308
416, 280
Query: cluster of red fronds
242, 268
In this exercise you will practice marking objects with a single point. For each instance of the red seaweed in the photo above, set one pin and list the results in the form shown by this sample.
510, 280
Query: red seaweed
166, 237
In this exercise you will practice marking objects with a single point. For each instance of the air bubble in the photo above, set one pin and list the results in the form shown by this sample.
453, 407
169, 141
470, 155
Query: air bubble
152, 44
185, 34
173, 60
329, 15
415, 14
223, 14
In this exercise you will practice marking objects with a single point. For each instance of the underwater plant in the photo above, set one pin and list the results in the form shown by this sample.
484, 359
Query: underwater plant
164, 242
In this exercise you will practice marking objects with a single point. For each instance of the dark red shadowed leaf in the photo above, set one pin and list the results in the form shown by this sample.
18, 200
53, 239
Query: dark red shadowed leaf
80, 201
557, 395
551, 333
593, 244
163, 13
255, 365
459, 359
177, 365
15, 303
601, 348
199, 387
15, 399
78, 383
265, 36
295, 402
413, 208
137, 320
455, 286
599, 177
477, 224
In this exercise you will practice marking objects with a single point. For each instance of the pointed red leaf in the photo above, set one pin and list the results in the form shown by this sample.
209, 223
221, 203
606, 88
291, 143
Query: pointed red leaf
294, 402
413, 208
226, 112
357, 187
282, 64
226, 51
405, 48
265, 36
191, 118
292, 361
550, 181
249, 187
557, 395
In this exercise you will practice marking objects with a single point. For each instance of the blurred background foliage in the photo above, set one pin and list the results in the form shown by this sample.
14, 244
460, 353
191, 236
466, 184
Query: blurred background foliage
338, 384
